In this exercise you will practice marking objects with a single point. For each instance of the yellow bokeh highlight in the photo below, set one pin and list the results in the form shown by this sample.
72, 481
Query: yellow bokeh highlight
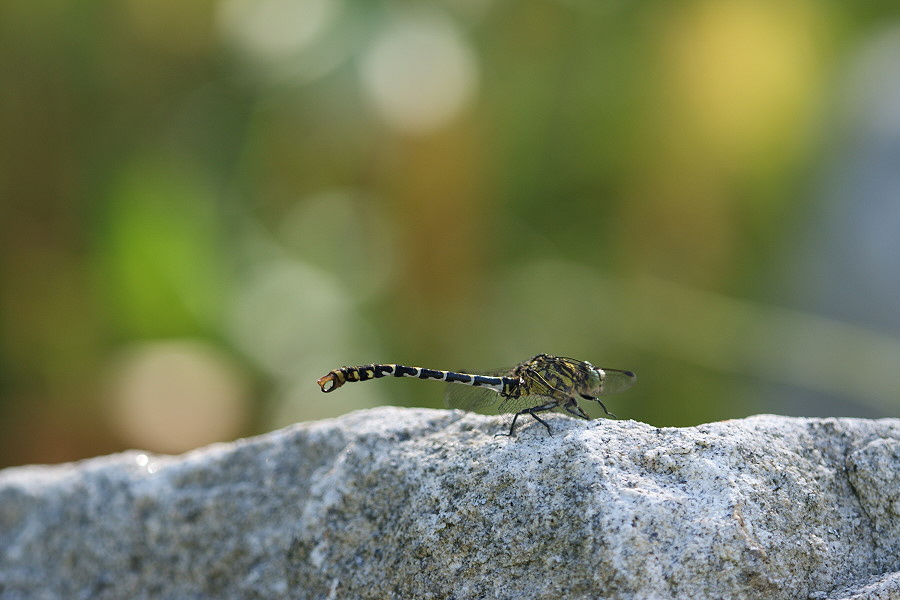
743, 75
737, 104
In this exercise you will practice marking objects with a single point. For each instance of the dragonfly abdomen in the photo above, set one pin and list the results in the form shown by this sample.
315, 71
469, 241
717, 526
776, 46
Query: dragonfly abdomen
338, 377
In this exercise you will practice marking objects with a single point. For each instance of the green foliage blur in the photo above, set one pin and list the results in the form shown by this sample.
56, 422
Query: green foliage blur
229, 198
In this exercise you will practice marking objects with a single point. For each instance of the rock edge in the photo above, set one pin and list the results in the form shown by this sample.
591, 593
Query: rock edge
415, 503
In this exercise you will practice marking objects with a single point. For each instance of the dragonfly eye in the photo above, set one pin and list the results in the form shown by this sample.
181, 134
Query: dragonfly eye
595, 381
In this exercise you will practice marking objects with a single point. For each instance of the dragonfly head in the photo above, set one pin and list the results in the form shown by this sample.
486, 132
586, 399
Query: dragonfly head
594, 381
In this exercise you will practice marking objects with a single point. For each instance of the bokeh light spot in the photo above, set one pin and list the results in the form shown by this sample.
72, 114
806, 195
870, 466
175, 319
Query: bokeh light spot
420, 72
746, 72
176, 395
345, 233
272, 30
287, 312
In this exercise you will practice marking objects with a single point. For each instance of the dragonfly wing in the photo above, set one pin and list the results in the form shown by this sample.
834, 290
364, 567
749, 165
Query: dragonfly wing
469, 397
514, 405
615, 381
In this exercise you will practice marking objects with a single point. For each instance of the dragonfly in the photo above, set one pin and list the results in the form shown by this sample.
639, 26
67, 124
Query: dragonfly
540, 384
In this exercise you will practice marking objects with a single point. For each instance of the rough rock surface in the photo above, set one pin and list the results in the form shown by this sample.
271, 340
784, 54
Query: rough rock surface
409, 503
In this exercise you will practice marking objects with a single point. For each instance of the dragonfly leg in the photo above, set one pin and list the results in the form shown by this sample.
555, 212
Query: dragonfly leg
511, 427
600, 402
539, 420
572, 408
532, 411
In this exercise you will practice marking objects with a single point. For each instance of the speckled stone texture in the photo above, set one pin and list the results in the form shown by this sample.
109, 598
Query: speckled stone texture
410, 503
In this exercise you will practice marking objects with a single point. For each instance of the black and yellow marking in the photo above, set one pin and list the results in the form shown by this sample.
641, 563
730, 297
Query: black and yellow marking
539, 384
338, 377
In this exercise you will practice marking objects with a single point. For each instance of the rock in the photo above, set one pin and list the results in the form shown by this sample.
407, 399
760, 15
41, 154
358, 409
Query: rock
414, 503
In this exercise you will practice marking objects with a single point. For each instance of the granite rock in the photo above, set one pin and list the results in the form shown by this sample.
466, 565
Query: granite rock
414, 503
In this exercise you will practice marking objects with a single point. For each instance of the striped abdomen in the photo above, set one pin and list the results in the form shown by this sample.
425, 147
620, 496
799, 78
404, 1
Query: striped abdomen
338, 377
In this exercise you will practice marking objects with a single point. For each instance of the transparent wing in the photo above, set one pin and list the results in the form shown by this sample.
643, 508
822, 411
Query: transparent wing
468, 397
514, 405
616, 381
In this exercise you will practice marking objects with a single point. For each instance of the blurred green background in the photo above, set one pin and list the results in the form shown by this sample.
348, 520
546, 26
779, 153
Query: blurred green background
205, 206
